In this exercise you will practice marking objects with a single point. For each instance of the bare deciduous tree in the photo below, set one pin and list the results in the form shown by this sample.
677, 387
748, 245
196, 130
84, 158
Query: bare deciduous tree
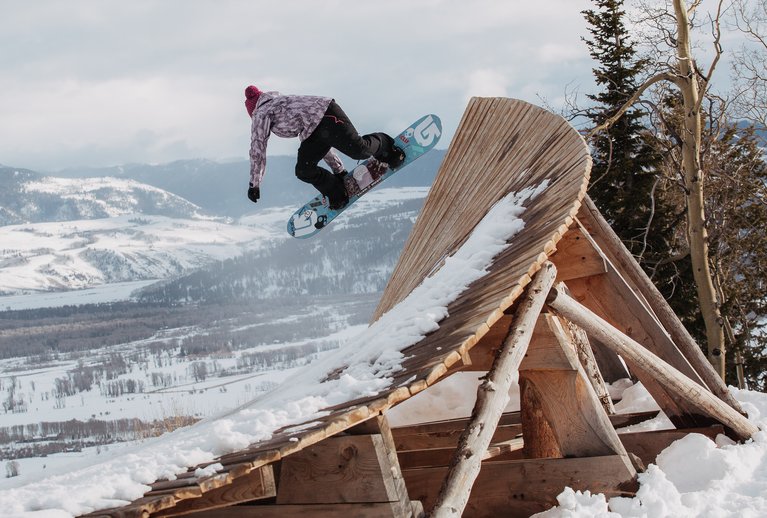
692, 84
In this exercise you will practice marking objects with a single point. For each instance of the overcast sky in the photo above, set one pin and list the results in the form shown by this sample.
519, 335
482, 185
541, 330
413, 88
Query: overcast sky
107, 82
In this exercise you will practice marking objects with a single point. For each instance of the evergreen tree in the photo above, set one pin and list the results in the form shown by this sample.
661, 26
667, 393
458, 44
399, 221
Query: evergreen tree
625, 183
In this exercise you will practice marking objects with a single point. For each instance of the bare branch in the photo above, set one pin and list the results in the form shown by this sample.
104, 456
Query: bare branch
666, 76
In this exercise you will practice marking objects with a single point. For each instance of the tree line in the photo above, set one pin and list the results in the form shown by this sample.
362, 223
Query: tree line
679, 164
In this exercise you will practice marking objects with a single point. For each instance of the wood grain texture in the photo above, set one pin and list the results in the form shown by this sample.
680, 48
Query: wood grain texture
501, 146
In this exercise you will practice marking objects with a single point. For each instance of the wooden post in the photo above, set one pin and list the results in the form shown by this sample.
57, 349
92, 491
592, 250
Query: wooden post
610, 242
666, 375
492, 397
564, 398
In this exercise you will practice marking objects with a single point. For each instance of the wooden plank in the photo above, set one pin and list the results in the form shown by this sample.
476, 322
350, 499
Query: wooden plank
521, 488
449, 438
435, 457
670, 378
567, 400
445, 434
575, 257
257, 485
340, 469
380, 426
492, 398
363, 510
647, 445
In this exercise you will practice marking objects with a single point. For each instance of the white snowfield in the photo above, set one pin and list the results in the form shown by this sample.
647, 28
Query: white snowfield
690, 487
88, 194
86, 253
39, 258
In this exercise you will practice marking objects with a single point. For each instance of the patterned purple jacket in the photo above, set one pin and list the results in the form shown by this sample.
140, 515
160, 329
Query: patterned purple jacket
285, 116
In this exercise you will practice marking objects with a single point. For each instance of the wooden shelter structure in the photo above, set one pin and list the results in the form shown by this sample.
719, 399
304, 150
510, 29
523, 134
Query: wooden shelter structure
565, 307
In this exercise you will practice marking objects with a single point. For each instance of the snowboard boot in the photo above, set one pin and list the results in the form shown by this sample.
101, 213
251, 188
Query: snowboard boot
389, 153
337, 196
396, 157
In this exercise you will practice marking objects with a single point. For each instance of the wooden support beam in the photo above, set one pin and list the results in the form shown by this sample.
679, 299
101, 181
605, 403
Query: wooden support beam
364, 510
492, 398
601, 231
445, 434
521, 488
647, 445
666, 375
588, 362
342, 469
567, 418
434, 457
575, 257
379, 426
361, 468
612, 297
256, 485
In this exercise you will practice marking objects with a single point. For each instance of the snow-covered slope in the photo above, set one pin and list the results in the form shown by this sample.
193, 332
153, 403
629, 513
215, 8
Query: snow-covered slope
28, 197
86, 253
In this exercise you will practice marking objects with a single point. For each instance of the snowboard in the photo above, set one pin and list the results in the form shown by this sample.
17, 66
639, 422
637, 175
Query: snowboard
415, 140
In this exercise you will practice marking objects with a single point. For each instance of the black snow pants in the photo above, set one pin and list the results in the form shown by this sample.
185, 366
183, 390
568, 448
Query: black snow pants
335, 130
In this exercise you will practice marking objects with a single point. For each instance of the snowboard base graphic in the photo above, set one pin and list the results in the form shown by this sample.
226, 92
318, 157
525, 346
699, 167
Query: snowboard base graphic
415, 141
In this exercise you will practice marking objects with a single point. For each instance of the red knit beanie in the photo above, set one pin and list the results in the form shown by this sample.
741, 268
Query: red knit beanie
252, 93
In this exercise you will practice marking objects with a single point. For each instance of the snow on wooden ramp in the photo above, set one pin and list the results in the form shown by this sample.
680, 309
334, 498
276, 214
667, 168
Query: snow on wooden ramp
501, 147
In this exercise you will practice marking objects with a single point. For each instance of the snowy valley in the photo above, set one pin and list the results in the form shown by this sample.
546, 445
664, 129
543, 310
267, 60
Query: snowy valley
127, 311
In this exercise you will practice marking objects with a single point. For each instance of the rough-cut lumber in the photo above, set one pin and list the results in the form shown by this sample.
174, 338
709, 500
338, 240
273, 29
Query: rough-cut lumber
257, 485
647, 445
589, 364
575, 257
492, 398
343, 469
521, 488
611, 243
379, 426
566, 400
670, 378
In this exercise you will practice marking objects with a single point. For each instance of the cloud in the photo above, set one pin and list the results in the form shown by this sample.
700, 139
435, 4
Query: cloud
82, 81
487, 83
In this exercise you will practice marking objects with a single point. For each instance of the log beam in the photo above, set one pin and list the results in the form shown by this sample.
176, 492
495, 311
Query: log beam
492, 398
667, 376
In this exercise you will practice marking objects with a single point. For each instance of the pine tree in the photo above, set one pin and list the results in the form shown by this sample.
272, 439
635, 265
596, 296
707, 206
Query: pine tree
625, 183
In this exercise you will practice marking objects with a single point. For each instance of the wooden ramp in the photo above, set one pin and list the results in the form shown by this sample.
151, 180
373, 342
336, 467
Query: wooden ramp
564, 306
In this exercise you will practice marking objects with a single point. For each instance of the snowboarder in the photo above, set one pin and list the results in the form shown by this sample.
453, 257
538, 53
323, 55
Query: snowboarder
321, 124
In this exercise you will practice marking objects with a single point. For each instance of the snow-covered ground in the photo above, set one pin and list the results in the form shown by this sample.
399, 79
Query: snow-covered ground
55, 299
366, 362
87, 253
693, 477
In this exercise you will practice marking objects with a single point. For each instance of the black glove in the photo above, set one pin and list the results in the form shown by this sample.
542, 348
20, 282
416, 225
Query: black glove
254, 193
341, 175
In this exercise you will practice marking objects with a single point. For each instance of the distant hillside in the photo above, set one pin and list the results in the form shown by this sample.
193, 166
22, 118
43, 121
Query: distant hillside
220, 187
29, 197
342, 261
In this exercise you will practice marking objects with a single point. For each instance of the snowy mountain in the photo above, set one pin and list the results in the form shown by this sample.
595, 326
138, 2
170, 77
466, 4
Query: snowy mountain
343, 260
219, 187
29, 197
202, 259
85, 253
